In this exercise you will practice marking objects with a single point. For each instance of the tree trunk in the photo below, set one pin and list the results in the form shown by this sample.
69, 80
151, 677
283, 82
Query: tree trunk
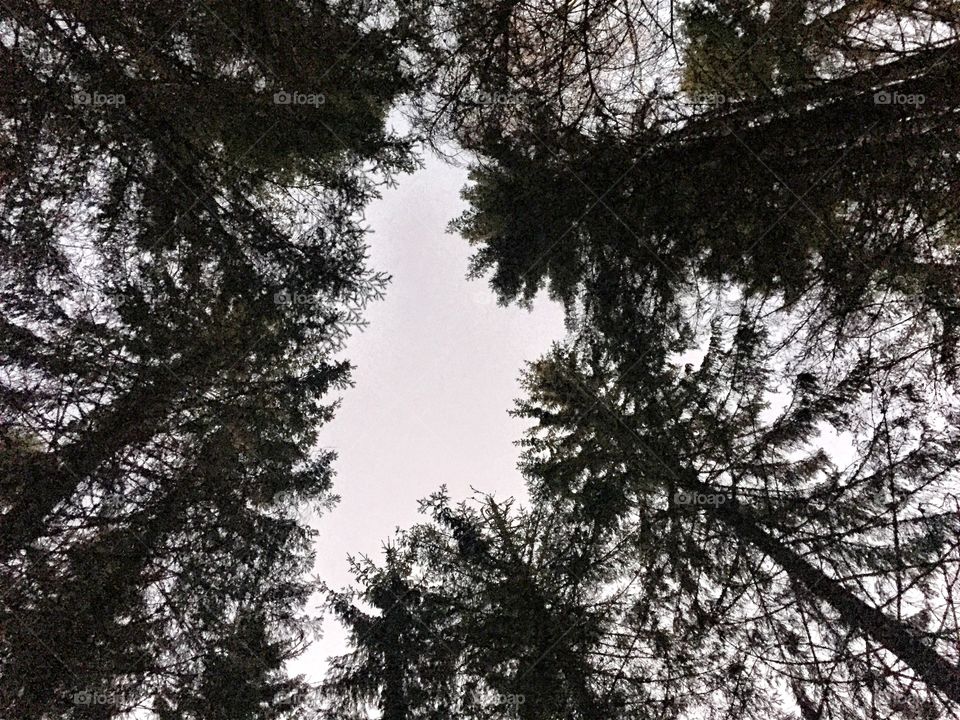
897, 637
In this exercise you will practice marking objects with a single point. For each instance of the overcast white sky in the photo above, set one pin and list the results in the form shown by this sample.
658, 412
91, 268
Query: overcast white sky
436, 373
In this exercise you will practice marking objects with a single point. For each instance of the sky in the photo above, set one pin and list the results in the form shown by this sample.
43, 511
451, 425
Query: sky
436, 372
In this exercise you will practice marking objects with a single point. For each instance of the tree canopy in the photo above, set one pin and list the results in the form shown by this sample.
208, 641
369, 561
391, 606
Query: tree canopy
742, 464
182, 261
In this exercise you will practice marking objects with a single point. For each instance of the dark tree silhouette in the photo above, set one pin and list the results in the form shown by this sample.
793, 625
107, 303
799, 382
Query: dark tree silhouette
181, 263
750, 213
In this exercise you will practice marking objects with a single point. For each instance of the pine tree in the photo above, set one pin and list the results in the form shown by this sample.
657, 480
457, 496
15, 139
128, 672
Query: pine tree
768, 534
703, 542
749, 212
181, 263
499, 609
611, 185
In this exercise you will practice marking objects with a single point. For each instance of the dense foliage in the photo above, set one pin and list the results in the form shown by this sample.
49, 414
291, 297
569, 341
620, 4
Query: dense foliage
742, 466
742, 463
181, 262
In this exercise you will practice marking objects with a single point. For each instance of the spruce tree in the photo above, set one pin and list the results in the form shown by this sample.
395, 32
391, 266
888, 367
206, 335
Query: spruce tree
748, 210
181, 262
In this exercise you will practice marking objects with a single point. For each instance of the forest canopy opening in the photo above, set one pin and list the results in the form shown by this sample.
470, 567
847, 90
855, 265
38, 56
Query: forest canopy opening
742, 460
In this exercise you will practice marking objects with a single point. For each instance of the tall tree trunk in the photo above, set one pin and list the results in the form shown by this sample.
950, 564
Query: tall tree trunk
897, 637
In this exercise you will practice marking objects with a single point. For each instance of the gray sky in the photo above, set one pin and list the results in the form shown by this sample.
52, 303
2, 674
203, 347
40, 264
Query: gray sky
436, 373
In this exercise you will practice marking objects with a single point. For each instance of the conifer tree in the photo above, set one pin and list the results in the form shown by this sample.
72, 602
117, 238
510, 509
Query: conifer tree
628, 183
749, 212
709, 541
181, 263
